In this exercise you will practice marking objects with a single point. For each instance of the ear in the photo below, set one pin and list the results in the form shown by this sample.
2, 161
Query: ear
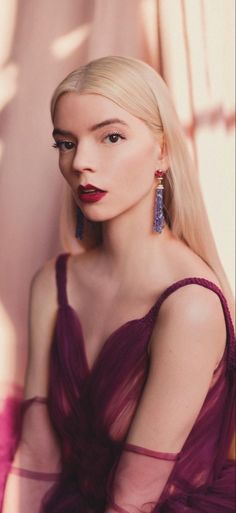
163, 159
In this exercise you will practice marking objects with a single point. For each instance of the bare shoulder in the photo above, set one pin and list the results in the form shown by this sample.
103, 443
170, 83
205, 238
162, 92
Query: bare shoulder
192, 317
192, 311
196, 304
41, 319
43, 303
43, 284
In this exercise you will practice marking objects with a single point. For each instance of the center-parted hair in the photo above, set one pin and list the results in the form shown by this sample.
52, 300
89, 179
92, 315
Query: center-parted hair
136, 87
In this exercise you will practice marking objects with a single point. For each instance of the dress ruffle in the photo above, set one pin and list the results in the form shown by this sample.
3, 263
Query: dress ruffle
218, 498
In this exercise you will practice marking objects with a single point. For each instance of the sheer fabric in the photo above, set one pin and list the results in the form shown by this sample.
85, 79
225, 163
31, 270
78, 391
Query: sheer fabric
32, 483
91, 411
137, 481
10, 427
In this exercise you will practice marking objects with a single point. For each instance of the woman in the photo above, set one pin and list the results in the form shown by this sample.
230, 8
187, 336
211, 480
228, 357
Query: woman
130, 383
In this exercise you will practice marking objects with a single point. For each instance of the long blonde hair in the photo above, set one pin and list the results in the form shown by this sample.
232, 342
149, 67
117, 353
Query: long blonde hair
138, 88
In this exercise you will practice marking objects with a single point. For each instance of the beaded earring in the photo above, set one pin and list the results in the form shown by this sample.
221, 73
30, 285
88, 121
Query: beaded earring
79, 224
159, 219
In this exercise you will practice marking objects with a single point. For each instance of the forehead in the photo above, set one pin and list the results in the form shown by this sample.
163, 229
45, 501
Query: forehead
84, 110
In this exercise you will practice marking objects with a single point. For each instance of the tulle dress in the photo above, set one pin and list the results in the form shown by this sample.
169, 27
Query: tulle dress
91, 411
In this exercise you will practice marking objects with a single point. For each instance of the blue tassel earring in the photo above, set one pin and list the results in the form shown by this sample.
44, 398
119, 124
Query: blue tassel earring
159, 219
79, 224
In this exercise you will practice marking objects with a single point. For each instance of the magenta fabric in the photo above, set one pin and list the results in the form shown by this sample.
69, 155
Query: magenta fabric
91, 411
136, 481
10, 428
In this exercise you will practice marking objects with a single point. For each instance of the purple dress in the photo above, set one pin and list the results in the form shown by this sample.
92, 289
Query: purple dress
91, 411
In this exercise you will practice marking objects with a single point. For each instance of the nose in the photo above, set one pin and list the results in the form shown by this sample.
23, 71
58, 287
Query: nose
84, 158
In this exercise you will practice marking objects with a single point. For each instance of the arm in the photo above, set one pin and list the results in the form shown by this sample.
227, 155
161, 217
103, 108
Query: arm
36, 462
186, 343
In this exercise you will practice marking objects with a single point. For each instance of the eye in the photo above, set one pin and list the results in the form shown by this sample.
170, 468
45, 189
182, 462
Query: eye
114, 137
64, 145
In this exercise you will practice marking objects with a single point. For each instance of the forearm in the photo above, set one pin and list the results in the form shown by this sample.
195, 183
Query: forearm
29, 479
24, 494
137, 479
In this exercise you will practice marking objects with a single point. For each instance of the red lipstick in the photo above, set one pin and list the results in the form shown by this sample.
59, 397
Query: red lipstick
89, 193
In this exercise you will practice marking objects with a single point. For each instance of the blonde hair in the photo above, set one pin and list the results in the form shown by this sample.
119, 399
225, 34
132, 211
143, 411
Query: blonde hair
138, 88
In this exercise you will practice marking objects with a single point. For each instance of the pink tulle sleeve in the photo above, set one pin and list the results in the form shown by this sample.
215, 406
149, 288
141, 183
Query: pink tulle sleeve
137, 481
180, 374
36, 465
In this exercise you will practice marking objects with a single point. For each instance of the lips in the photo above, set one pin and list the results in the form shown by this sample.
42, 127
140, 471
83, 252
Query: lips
89, 189
89, 193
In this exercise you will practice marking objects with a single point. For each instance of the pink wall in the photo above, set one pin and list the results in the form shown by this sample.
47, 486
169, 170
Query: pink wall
189, 42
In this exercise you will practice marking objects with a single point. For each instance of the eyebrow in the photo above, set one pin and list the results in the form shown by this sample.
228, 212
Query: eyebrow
59, 131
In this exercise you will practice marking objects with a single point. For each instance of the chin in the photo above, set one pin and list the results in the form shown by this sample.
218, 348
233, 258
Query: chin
99, 218
93, 218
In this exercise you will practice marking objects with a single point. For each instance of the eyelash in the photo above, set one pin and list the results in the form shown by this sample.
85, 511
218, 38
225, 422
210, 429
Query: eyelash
114, 133
58, 144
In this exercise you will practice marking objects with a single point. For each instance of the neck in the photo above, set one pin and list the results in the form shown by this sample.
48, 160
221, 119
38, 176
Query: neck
129, 239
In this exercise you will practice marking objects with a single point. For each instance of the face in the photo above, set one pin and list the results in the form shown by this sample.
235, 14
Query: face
101, 144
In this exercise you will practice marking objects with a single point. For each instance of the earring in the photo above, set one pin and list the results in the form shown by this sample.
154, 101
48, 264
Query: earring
79, 224
159, 218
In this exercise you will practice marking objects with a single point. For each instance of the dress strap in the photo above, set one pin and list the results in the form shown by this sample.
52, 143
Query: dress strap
61, 278
231, 342
127, 446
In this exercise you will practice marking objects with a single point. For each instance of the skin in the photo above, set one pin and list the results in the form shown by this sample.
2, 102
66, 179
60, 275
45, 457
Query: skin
134, 264
123, 167
132, 267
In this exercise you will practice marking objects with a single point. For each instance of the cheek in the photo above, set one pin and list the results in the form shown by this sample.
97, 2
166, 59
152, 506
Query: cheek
137, 168
65, 165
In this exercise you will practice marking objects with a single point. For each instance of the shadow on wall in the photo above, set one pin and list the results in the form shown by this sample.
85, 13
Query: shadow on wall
41, 43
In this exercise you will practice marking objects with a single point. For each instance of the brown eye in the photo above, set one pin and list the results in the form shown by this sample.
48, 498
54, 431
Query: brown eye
64, 145
114, 137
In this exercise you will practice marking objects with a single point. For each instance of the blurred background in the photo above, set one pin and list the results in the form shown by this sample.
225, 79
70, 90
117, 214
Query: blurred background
191, 44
